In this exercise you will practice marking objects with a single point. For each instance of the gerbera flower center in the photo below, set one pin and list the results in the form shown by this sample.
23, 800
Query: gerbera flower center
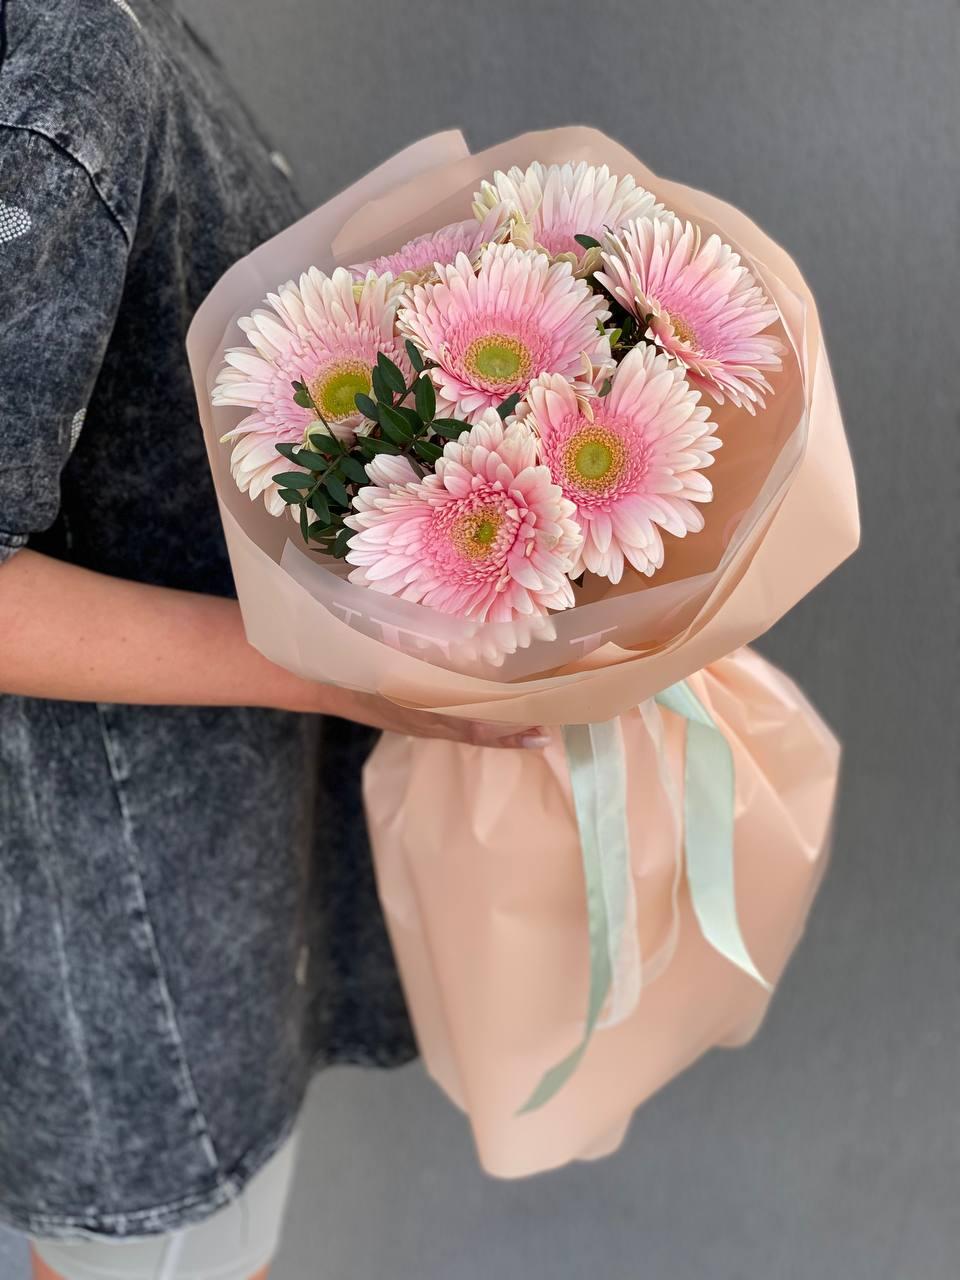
684, 331
475, 532
594, 458
335, 388
498, 358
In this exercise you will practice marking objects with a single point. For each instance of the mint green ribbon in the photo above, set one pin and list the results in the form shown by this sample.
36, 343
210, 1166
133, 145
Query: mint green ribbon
598, 777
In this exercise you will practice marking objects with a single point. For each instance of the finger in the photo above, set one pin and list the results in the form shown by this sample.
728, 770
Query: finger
534, 738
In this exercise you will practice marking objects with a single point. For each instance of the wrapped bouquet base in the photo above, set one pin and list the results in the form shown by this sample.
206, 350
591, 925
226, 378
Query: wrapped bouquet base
479, 869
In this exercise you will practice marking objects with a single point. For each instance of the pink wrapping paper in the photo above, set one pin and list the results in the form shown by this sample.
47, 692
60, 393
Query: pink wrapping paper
476, 852
488, 915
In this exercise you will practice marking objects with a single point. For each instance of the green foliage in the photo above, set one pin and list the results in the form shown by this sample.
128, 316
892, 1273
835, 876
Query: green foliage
320, 506
414, 356
429, 452
426, 398
293, 480
354, 470
395, 425
449, 428
302, 396
372, 445
337, 490
506, 407
333, 470
367, 406
391, 374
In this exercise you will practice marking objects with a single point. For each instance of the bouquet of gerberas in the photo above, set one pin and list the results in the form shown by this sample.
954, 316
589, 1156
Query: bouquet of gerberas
508, 404
490, 394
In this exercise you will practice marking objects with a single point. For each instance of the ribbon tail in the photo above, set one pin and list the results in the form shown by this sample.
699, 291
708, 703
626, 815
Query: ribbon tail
598, 780
709, 797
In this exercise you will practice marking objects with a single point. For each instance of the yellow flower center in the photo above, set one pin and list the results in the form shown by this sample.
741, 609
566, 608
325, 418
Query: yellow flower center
594, 458
684, 331
497, 357
334, 389
474, 534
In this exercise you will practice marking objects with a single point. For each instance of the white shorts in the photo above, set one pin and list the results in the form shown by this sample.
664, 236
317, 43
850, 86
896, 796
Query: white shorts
232, 1244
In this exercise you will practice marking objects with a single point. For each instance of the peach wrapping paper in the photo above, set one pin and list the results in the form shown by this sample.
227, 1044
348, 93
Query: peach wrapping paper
476, 852
478, 864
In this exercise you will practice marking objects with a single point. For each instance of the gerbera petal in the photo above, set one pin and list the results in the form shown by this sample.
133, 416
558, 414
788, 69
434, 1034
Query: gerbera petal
322, 331
704, 305
618, 462
547, 206
487, 535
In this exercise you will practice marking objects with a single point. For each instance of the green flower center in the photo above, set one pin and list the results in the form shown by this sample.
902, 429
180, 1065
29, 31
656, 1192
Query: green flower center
485, 532
335, 389
474, 534
498, 358
593, 458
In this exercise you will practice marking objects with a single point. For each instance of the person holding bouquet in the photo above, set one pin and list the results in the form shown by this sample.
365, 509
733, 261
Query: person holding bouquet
188, 921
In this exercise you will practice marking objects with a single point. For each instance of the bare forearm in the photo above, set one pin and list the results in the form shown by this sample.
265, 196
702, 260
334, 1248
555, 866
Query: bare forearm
70, 633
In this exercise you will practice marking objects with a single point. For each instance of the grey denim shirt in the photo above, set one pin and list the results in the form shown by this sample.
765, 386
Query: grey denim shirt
188, 919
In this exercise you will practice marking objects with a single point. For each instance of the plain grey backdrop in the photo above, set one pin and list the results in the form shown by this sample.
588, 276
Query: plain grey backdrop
830, 1148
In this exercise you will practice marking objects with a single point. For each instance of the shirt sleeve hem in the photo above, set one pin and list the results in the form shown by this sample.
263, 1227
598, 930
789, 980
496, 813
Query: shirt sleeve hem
10, 543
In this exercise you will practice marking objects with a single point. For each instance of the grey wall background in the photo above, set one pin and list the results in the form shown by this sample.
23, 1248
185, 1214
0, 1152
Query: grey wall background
829, 1149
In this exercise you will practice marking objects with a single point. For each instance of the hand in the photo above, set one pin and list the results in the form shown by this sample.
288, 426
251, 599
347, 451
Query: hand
368, 708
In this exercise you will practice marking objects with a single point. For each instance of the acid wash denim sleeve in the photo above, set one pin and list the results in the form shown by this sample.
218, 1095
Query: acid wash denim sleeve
62, 262
189, 926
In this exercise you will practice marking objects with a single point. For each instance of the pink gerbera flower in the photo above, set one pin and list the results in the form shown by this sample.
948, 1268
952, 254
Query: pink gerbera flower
551, 204
702, 305
487, 536
492, 330
325, 332
415, 261
630, 461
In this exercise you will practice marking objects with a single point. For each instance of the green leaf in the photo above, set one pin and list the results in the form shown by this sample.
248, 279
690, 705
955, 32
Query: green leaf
337, 491
425, 397
380, 388
395, 426
588, 242
615, 335
324, 443
288, 451
342, 541
319, 504
429, 452
449, 428
414, 421
392, 376
319, 531
414, 356
303, 398
304, 528
367, 406
605, 388
293, 480
312, 461
506, 407
354, 469
372, 445
290, 495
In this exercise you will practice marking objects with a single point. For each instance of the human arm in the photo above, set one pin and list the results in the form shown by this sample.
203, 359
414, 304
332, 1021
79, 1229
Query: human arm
70, 633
